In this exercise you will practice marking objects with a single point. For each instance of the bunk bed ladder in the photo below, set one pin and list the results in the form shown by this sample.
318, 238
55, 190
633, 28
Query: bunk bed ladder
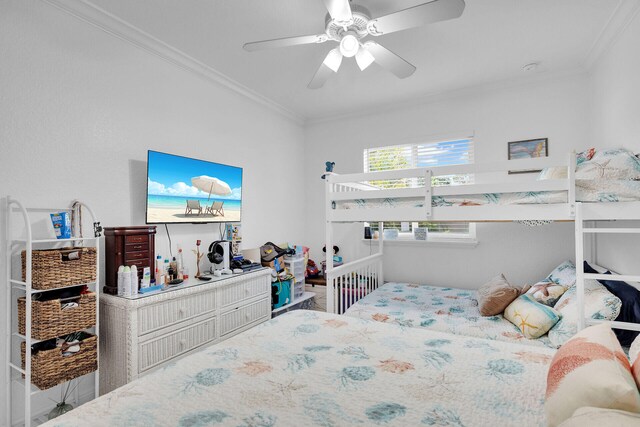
581, 231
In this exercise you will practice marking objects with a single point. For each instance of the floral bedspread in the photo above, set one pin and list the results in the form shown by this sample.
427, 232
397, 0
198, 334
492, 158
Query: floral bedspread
316, 369
439, 309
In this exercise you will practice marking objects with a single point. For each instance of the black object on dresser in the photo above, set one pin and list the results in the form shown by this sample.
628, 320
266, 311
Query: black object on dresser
134, 245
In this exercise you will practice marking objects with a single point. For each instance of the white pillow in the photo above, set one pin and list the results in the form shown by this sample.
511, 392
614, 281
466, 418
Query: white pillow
599, 304
634, 350
556, 172
598, 417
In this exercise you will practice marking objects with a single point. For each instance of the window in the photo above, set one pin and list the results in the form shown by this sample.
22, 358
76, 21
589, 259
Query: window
424, 154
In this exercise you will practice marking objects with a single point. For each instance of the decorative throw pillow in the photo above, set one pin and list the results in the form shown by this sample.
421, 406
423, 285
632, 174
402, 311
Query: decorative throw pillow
634, 350
547, 293
495, 295
590, 370
634, 356
599, 304
620, 164
585, 155
563, 275
532, 318
598, 417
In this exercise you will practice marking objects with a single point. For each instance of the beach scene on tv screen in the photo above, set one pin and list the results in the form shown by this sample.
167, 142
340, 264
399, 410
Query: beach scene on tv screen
181, 189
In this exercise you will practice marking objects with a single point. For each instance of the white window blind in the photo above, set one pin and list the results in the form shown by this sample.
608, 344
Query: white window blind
427, 154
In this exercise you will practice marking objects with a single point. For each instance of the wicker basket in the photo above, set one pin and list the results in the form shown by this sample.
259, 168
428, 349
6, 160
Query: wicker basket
48, 320
50, 270
50, 368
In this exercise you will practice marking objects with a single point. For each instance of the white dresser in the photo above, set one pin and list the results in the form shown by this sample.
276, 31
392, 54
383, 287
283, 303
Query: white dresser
138, 335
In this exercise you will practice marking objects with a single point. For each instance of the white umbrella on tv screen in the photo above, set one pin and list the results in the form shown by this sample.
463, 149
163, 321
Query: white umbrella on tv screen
211, 185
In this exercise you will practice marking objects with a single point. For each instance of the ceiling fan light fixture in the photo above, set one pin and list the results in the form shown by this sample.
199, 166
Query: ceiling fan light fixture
349, 45
364, 58
333, 60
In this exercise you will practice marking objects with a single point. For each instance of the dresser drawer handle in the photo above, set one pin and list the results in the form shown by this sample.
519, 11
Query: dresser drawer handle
181, 311
247, 316
246, 291
183, 343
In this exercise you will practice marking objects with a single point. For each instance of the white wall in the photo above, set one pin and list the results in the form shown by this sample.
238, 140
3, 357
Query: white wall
557, 108
615, 86
79, 109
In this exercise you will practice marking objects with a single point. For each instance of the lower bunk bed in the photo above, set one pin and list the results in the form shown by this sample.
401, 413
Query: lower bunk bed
318, 369
543, 315
450, 310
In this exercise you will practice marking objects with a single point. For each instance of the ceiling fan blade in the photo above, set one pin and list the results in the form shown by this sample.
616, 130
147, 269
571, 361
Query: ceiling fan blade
330, 65
340, 10
285, 42
427, 13
389, 60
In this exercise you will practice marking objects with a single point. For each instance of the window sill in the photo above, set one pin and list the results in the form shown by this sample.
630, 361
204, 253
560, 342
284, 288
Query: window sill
451, 243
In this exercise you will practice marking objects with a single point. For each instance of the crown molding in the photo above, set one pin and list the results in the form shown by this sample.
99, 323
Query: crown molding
112, 25
618, 22
438, 96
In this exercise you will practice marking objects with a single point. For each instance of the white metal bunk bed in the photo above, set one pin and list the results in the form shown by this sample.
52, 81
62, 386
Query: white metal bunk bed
350, 281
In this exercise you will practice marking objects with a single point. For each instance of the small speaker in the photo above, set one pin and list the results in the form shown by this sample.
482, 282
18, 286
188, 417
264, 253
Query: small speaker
367, 233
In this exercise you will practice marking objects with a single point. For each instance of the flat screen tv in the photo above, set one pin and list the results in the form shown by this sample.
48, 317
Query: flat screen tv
185, 190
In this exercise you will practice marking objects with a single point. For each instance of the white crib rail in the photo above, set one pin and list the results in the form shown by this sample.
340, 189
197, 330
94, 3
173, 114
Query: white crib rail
348, 283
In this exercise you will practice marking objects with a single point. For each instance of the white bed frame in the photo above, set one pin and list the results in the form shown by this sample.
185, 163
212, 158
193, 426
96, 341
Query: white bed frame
348, 282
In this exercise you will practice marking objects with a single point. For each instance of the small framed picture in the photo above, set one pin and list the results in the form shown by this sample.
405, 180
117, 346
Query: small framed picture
528, 149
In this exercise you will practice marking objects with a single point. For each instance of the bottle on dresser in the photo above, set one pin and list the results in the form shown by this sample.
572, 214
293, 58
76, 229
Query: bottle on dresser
159, 273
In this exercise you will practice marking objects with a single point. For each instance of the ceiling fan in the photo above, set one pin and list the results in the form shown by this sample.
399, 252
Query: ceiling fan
348, 24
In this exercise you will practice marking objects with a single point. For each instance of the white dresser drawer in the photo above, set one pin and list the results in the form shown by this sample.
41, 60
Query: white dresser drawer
159, 350
242, 316
233, 293
167, 313
138, 336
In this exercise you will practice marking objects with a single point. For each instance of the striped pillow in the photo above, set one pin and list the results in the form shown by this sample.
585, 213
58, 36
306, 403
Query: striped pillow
634, 356
590, 370
532, 318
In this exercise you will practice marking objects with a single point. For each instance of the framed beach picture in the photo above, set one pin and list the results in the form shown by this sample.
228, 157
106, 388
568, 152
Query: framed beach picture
529, 149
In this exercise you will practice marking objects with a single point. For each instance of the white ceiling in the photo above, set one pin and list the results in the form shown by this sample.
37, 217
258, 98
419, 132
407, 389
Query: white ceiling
490, 42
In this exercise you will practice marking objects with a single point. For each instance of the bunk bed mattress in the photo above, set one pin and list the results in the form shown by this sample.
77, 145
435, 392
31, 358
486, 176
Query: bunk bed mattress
439, 309
318, 369
586, 191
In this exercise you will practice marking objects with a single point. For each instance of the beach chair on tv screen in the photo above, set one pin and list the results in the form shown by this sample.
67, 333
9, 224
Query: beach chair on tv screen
215, 209
193, 205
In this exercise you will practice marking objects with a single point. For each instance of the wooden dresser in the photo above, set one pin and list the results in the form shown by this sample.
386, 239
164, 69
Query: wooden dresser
134, 245
139, 335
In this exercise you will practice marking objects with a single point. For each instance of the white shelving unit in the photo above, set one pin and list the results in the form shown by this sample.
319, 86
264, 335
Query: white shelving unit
15, 287
295, 265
